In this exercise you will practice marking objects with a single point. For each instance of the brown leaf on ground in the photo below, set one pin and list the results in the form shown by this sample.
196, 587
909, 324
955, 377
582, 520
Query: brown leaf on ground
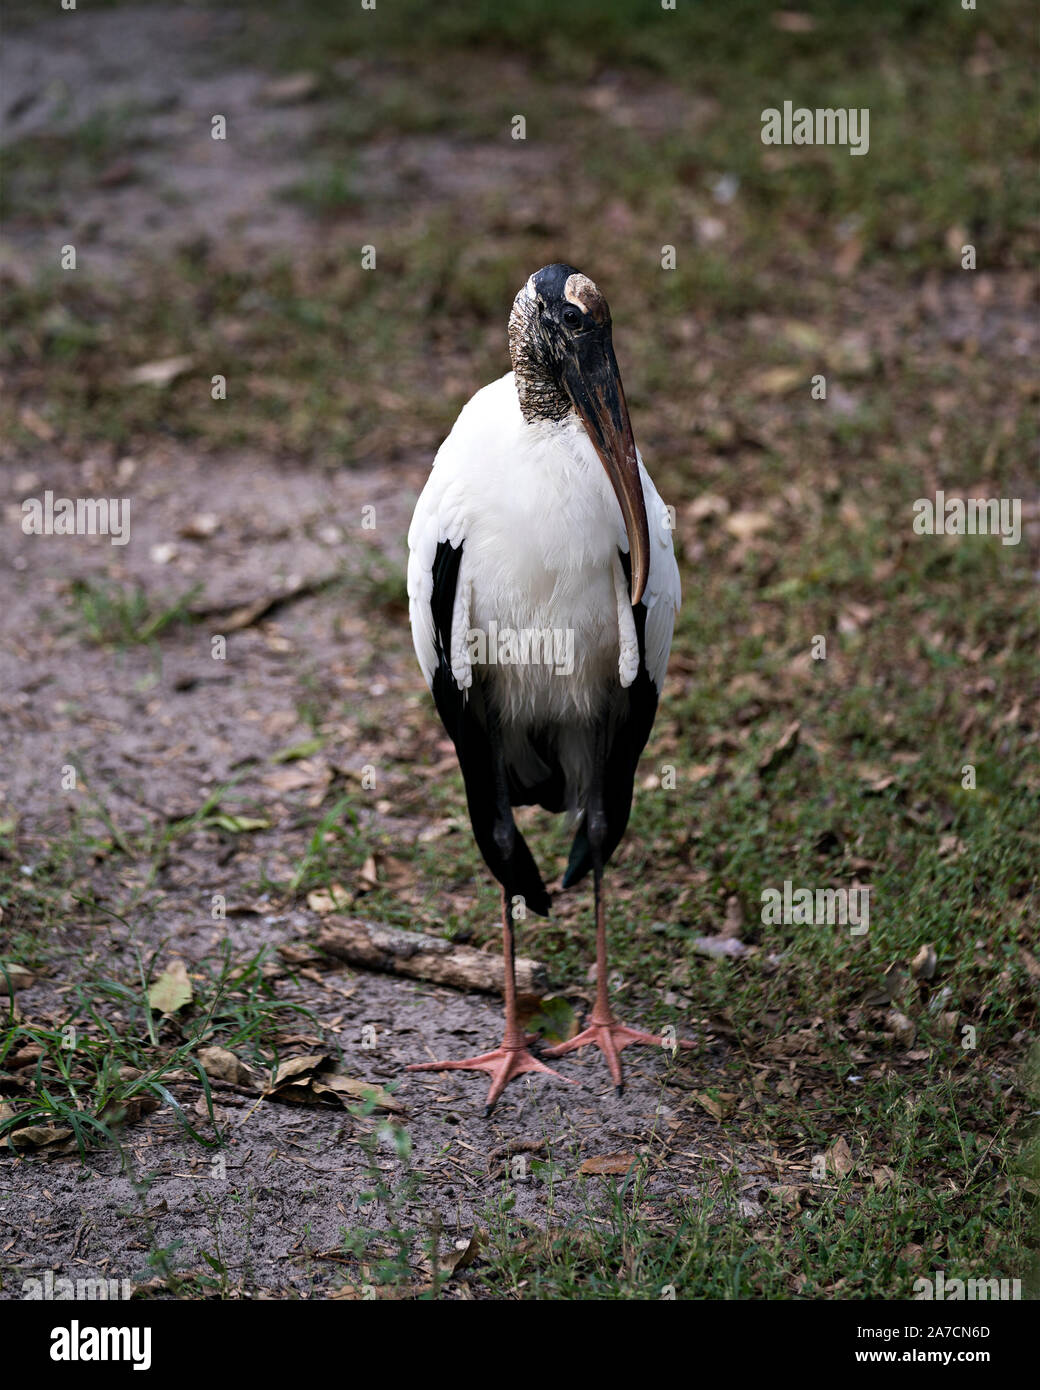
332, 899
734, 922
903, 1029
782, 750
839, 1158
1032, 965
218, 1062
312, 1080
793, 21
706, 506
309, 772
286, 91
848, 257
777, 381
160, 373
744, 526
297, 1068
14, 977
875, 778
462, 1256
130, 1110
609, 1163
922, 967
357, 1090
172, 990
789, 1193
56, 1138
720, 1105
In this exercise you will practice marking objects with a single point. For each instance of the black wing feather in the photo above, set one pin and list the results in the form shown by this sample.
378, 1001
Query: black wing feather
466, 717
630, 733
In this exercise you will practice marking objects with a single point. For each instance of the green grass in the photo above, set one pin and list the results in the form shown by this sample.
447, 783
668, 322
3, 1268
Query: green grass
831, 1240
318, 324
119, 615
112, 1051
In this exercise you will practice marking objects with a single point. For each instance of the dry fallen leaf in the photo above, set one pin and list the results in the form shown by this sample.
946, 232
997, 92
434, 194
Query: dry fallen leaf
609, 1163
172, 990
1030, 962
793, 21
777, 381
357, 1090
304, 774
14, 977
903, 1028
721, 1105
922, 967
876, 779
312, 1080
708, 505
200, 527
720, 946
734, 923
296, 1067
333, 899
56, 1137
781, 750
284, 91
848, 256
463, 1255
160, 373
130, 1110
790, 1193
36, 424
224, 1065
744, 526
839, 1158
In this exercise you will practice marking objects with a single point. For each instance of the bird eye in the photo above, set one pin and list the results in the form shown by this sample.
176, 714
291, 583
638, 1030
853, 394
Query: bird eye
571, 317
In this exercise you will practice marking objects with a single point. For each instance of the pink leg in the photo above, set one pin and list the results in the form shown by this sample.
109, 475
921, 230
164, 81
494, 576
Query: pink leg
603, 1028
512, 1057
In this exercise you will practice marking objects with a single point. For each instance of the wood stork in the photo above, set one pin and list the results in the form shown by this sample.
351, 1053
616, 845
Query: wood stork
540, 521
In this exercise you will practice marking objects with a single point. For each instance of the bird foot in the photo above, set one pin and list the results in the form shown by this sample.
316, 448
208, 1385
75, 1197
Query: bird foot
610, 1037
503, 1064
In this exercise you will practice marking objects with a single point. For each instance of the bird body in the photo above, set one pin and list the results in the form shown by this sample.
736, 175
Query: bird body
543, 590
542, 535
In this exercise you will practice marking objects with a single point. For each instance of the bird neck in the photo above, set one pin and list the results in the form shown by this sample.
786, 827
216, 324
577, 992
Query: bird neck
537, 385
540, 397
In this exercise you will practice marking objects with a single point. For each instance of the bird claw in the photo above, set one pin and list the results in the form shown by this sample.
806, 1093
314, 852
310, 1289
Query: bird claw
502, 1064
610, 1037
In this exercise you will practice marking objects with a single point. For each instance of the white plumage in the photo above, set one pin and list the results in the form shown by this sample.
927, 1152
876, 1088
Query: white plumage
542, 528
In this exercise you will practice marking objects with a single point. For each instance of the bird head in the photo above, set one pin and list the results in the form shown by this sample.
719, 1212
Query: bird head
563, 359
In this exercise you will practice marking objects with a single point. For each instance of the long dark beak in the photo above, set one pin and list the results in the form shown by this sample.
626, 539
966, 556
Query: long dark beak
592, 380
